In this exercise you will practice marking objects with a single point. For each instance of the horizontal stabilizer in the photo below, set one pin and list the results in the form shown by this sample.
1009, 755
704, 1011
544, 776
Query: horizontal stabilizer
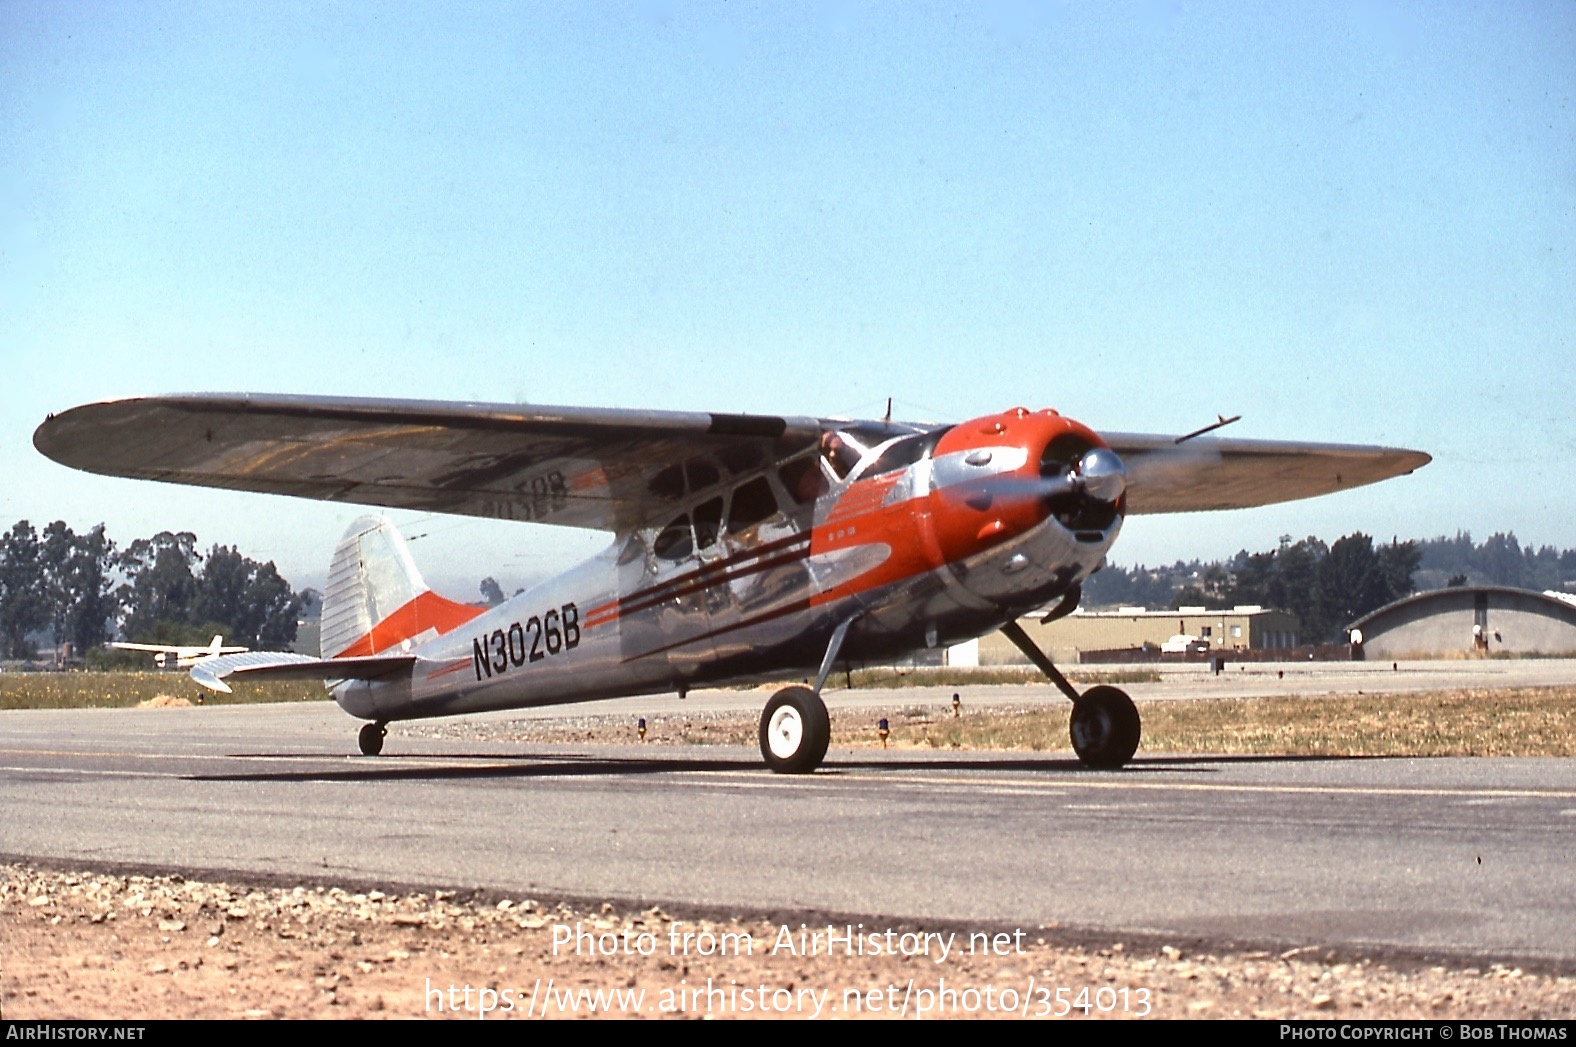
277, 665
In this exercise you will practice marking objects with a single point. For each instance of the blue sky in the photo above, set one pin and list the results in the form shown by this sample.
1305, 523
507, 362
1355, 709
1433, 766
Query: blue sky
1346, 222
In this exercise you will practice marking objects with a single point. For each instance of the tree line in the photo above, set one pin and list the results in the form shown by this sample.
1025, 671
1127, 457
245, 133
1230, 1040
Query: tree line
82, 589
1499, 560
1329, 586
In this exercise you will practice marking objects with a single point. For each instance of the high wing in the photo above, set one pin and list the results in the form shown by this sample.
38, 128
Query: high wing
179, 652
1210, 473
214, 648
603, 469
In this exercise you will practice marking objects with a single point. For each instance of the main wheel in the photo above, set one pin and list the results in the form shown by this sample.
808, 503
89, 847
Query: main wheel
1105, 728
371, 738
795, 731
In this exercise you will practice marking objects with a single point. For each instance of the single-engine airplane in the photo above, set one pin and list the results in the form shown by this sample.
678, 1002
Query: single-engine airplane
181, 657
746, 547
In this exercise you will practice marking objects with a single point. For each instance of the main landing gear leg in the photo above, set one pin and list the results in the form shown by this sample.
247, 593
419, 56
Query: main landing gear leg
371, 737
795, 728
1105, 726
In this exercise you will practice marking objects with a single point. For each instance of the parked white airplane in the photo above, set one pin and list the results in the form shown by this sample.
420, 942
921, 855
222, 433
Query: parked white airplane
182, 657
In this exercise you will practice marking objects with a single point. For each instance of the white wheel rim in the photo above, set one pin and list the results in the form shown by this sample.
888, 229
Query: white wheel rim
785, 732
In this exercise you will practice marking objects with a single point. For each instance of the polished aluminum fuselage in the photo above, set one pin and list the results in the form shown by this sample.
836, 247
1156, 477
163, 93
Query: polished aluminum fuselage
761, 604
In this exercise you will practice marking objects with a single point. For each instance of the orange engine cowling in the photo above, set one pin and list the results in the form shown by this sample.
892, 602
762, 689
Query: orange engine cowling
999, 478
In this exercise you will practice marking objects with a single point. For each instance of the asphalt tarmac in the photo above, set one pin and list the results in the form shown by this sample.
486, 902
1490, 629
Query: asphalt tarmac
1451, 857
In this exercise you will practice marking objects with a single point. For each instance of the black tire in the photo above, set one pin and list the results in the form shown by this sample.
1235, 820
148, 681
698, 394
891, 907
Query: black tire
1105, 728
795, 731
371, 738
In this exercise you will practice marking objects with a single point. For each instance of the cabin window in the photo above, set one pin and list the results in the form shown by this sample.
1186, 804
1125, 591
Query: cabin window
702, 474
708, 523
752, 503
803, 480
900, 455
841, 452
675, 541
668, 484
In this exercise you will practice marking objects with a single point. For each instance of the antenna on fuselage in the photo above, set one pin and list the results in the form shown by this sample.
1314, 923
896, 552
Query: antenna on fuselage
888, 416
1220, 422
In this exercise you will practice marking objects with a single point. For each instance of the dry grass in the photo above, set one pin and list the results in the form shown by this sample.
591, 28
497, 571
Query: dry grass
109, 690
1526, 721
1530, 721
89, 690
926, 676
1523, 721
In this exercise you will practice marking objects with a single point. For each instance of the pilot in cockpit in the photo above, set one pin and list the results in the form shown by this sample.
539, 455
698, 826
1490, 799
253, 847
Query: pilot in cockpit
840, 452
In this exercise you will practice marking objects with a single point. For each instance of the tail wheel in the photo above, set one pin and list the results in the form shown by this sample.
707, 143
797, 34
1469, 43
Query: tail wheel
371, 738
795, 731
1105, 728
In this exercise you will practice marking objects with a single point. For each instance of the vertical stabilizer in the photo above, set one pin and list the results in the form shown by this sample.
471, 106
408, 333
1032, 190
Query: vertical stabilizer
375, 599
